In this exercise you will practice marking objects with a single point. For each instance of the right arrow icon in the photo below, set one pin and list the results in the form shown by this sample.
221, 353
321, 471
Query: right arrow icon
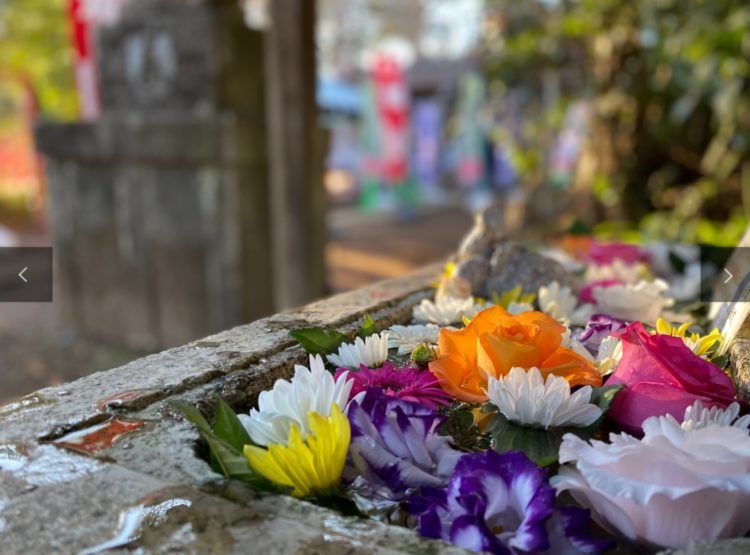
729, 274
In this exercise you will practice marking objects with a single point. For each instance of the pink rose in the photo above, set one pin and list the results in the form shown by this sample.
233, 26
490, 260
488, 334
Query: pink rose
606, 253
587, 293
663, 376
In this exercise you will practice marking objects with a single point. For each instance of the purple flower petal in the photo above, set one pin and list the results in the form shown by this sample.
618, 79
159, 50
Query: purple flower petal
493, 502
395, 445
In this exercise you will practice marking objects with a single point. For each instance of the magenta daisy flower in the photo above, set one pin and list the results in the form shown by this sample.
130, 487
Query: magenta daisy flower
409, 384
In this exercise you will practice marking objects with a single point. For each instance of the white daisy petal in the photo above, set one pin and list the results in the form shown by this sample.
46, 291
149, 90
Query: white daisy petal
289, 403
372, 351
524, 397
408, 338
562, 304
446, 310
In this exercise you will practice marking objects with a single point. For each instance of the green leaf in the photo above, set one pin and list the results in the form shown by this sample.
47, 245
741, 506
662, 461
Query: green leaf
540, 445
225, 458
603, 396
229, 428
318, 341
368, 327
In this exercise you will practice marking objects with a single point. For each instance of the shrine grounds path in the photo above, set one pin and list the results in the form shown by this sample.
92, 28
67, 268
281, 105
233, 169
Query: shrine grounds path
35, 351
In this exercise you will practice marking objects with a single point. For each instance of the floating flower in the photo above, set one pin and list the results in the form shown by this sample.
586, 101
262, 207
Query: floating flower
445, 311
310, 466
587, 292
559, 302
408, 338
395, 446
526, 398
643, 302
699, 416
496, 341
494, 502
609, 355
372, 351
608, 253
289, 403
409, 384
680, 483
700, 345
663, 376
598, 328
630, 274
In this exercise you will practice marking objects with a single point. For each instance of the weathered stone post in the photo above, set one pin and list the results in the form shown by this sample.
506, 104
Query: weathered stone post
159, 210
297, 195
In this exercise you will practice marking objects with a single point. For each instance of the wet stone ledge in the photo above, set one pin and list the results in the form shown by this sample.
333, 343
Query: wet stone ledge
106, 465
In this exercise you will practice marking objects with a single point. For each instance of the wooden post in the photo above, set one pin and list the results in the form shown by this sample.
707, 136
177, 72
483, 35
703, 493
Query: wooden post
297, 194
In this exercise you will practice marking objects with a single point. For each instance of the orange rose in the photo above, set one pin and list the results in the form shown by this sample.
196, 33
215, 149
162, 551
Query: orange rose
494, 342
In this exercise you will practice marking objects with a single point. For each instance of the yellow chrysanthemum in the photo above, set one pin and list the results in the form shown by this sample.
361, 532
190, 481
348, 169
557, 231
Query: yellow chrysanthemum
701, 345
310, 466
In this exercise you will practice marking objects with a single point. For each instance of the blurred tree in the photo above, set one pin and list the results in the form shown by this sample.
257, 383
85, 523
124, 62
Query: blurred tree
35, 49
668, 82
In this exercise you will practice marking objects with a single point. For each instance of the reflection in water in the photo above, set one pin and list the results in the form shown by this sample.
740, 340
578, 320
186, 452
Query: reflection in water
25, 403
96, 439
46, 466
134, 521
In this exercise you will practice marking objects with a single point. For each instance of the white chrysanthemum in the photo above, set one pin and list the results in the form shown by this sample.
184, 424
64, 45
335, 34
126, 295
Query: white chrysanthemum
609, 355
288, 403
606, 360
643, 302
680, 483
560, 303
526, 398
446, 310
408, 338
698, 416
372, 352
627, 273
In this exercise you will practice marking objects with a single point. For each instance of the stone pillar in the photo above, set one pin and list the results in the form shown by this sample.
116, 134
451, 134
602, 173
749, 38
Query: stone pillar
160, 209
297, 194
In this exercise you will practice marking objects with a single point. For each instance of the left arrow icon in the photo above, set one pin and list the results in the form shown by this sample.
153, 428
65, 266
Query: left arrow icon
20, 274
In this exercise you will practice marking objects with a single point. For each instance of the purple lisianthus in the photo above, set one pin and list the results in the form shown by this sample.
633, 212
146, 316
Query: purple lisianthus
502, 503
598, 328
568, 531
493, 502
409, 384
395, 447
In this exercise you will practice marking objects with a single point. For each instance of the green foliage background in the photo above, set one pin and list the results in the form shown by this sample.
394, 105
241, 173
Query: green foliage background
668, 81
35, 44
